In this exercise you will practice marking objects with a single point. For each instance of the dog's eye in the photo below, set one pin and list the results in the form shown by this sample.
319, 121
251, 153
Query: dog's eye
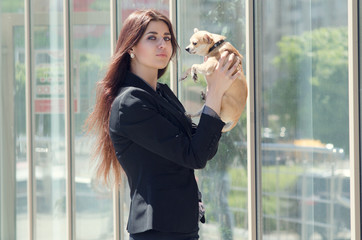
194, 43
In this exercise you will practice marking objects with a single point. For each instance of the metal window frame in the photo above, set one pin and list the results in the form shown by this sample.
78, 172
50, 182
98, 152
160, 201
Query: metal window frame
354, 119
251, 118
69, 123
118, 190
29, 119
173, 63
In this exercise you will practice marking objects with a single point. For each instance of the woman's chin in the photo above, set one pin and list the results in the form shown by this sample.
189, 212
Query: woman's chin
162, 66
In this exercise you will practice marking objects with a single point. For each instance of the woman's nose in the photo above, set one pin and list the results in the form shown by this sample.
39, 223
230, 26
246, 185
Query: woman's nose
162, 43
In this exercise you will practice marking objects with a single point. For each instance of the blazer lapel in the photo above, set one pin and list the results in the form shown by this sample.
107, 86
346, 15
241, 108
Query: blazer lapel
172, 105
170, 96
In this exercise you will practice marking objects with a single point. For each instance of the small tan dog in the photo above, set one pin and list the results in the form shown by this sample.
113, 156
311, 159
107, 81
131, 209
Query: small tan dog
212, 46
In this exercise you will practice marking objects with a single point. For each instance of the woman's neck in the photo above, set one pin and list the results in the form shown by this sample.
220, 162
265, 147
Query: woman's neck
147, 74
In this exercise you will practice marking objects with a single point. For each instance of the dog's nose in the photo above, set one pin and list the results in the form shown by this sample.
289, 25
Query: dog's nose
187, 49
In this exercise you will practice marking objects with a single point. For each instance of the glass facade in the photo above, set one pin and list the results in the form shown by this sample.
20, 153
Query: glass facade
223, 182
48, 94
302, 97
90, 52
301, 111
13, 167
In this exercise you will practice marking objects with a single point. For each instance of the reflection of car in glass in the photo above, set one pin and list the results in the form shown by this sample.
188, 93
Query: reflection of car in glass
50, 196
50, 180
283, 153
323, 205
315, 203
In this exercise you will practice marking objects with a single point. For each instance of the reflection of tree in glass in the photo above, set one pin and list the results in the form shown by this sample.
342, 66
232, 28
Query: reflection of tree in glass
226, 19
313, 66
19, 96
12, 6
99, 5
91, 70
216, 180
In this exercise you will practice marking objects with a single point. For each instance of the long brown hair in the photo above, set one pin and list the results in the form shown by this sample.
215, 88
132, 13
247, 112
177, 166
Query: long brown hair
107, 89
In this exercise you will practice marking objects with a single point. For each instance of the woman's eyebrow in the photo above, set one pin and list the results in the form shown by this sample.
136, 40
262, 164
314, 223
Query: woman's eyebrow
166, 33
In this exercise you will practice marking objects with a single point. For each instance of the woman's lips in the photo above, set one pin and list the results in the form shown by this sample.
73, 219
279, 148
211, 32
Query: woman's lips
161, 55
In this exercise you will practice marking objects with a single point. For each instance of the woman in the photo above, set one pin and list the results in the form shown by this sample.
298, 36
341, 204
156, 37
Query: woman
142, 128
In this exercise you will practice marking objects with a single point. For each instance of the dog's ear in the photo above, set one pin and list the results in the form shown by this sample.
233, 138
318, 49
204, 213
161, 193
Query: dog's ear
196, 30
207, 38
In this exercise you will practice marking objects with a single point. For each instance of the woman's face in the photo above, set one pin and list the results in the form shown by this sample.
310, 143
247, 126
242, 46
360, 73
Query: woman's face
154, 49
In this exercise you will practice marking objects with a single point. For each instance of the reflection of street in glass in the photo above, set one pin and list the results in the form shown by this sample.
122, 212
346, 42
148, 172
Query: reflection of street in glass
93, 203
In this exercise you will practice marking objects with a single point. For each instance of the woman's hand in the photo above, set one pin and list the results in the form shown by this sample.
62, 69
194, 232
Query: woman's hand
220, 80
222, 77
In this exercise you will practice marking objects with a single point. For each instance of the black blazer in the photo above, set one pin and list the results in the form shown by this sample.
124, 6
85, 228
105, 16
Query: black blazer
158, 149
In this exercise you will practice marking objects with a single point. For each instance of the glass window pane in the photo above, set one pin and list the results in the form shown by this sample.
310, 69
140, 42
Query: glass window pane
125, 8
90, 26
223, 182
13, 167
20, 133
302, 94
48, 113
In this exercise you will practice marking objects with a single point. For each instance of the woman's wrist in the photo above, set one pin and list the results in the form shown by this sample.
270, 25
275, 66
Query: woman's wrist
213, 100
215, 92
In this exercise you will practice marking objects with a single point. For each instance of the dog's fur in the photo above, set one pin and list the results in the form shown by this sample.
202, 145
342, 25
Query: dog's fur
234, 99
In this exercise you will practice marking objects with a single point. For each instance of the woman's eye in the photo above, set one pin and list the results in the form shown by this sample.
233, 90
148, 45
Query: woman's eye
151, 38
167, 38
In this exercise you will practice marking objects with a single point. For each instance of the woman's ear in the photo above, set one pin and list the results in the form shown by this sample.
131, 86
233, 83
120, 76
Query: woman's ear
131, 54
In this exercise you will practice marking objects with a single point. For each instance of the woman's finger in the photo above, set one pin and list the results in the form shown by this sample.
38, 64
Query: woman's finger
236, 75
234, 67
222, 59
229, 62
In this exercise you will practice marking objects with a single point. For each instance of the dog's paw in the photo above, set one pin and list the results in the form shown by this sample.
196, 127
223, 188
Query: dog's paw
185, 74
203, 96
194, 77
183, 77
194, 74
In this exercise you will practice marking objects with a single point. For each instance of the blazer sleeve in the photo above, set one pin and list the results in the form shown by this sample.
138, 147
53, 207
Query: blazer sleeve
140, 121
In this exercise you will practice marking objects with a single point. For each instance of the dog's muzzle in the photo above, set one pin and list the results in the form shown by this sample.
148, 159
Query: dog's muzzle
190, 50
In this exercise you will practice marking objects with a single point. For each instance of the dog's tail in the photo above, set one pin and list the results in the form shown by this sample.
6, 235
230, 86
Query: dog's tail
229, 125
